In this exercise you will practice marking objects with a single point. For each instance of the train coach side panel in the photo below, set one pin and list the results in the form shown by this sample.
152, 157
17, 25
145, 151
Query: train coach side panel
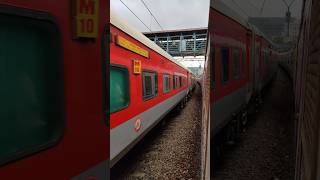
227, 96
82, 149
307, 93
131, 123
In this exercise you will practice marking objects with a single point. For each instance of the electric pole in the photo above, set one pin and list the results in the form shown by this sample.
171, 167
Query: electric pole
288, 15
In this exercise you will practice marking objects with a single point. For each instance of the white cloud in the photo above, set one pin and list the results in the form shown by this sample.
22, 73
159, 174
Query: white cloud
171, 14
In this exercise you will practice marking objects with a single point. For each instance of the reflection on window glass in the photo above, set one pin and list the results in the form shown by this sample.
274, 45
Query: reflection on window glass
31, 90
119, 88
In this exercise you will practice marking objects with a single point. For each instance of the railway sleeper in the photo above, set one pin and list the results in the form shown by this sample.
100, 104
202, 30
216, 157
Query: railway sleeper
257, 103
244, 119
217, 150
231, 133
181, 104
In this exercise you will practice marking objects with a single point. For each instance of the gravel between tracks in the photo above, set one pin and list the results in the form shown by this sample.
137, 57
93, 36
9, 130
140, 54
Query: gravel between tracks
266, 150
169, 151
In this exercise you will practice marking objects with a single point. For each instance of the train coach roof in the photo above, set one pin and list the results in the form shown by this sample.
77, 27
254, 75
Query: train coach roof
122, 25
220, 6
224, 9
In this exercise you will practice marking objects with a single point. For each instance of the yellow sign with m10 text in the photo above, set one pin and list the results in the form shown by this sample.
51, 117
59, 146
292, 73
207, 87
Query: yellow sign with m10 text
121, 41
136, 66
86, 18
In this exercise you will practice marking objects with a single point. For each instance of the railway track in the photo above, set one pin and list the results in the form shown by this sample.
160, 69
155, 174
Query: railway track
171, 150
266, 149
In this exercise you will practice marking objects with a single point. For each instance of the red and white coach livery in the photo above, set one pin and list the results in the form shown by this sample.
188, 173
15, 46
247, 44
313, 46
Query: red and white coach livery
53, 90
145, 84
242, 63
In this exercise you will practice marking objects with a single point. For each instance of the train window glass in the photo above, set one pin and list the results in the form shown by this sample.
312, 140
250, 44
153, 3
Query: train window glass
180, 80
119, 88
166, 83
149, 84
225, 65
243, 66
236, 69
31, 92
174, 82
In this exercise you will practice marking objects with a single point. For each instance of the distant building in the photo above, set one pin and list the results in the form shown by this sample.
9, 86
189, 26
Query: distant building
196, 70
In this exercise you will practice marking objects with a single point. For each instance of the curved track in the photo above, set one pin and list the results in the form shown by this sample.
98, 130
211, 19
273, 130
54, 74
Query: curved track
266, 149
170, 150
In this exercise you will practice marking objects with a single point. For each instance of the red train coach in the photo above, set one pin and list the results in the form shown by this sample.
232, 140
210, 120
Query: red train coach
53, 84
241, 66
145, 84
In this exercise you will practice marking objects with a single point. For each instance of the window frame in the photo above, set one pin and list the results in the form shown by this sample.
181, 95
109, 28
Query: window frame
164, 75
129, 97
105, 44
35, 15
156, 86
243, 63
236, 75
174, 82
225, 82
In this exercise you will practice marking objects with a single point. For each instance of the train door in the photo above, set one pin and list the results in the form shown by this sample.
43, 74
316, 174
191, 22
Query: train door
249, 61
253, 61
257, 67
52, 121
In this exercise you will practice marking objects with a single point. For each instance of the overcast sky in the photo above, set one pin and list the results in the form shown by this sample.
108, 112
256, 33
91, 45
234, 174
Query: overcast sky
272, 8
181, 14
171, 14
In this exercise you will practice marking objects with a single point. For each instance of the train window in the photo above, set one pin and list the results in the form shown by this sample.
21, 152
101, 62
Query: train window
236, 69
243, 66
166, 83
119, 88
31, 92
149, 84
175, 82
212, 68
180, 80
225, 65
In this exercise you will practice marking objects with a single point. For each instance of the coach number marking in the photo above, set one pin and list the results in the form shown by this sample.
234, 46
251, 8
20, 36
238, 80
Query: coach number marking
86, 18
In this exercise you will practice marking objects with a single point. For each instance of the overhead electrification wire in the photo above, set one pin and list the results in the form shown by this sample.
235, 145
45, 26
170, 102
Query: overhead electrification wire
262, 7
145, 5
288, 5
135, 15
291, 3
285, 2
240, 8
251, 4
